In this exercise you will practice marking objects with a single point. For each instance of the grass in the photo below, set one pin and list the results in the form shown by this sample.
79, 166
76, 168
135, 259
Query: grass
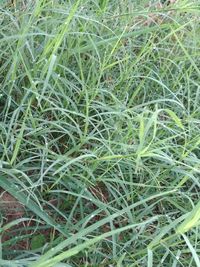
99, 133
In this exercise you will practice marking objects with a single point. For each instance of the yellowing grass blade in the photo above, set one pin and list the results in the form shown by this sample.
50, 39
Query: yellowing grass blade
192, 220
175, 118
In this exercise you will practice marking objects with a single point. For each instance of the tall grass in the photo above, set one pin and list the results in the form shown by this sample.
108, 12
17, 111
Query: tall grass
99, 133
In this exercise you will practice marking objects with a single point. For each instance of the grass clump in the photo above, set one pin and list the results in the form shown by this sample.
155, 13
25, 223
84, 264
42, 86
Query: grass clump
99, 133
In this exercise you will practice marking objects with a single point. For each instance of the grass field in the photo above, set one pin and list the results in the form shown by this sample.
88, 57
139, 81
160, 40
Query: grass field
99, 133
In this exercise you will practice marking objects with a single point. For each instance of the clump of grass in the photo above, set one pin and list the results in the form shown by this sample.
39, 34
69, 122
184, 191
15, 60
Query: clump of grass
99, 133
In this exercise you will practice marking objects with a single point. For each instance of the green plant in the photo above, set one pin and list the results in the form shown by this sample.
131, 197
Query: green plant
99, 133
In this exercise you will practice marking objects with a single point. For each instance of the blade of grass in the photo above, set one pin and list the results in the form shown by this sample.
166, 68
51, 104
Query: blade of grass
28, 203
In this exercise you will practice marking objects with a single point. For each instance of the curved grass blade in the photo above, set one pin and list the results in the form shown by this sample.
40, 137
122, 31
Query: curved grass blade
30, 204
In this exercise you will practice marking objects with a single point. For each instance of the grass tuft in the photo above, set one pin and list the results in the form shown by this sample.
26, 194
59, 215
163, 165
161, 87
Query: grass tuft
99, 133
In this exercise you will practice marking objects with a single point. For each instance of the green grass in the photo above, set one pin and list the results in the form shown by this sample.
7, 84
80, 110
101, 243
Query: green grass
99, 133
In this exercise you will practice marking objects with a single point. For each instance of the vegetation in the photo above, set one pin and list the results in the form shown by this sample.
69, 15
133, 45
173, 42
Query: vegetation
99, 133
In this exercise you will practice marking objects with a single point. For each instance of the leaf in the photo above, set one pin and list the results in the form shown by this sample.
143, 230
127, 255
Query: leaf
141, 130
103, 3
88, 243
110, 40
79, 235
18, 143
175, 118
165, 230
150, 258
119, 262
13, 223
38, 241
29, 203
193, 251
192, 220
